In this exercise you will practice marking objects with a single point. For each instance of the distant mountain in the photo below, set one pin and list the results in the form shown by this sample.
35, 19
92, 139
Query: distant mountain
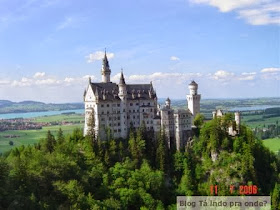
7, 106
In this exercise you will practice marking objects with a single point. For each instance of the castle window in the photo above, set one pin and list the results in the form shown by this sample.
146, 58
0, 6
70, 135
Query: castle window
102, 105
143, 110
133, 110
109, 118
149, 103
137, 104
123, 110
137, 110
131, 104
102, 112
119, 118
110, 124
118, 105
151, 110
133, 117
108, 105
119, 124
119, 130
108, 112
129, 111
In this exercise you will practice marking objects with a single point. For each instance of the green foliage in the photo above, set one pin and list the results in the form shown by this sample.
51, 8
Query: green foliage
199, 120
275, 198
74, 172
50, 142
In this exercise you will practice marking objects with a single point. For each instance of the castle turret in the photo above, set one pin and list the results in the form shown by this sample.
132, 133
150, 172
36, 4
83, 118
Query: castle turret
193, 99
168, 103
122, 88
105, 71
123, 104
237, 121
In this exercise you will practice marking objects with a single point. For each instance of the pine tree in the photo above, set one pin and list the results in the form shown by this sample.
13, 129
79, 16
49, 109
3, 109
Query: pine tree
91, 126
161, 151
275, 198
136, 146
60, 136
50, 142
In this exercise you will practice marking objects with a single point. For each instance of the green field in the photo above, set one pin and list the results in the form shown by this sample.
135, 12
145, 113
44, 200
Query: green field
60, 118
26, 137
254, 121
272, 144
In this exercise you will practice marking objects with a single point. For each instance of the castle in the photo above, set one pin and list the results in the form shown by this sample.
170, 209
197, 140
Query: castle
118, 106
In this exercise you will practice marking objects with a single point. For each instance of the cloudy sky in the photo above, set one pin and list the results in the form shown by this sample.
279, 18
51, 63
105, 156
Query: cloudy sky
49, 48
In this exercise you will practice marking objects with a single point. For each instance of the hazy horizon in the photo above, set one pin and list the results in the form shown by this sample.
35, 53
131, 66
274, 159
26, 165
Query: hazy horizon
176, 99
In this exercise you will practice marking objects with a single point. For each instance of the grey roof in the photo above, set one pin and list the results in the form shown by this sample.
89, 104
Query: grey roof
193, 83
122, 81
134, 91
180, 111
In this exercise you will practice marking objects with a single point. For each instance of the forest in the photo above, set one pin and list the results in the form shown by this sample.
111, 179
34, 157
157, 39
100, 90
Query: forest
140, 172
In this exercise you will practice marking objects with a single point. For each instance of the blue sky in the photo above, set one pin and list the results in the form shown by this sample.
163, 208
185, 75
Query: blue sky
48, 48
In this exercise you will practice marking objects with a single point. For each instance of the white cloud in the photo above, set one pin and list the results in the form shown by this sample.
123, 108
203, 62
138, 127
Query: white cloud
39, 74
270, 70
270, 73
4, 82
23, 82
228, 5
48, 81
247, 76
255, 12
69, 79
174, 58
98, 55
263, 15
223, 75
159, 78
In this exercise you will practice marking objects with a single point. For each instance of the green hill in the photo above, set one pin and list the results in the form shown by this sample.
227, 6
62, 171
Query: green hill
35, 106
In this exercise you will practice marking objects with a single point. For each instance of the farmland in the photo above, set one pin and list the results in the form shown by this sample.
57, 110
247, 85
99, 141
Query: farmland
26, 137
273, 144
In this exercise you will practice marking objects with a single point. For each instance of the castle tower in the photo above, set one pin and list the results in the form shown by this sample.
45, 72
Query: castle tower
237, 120
193, 99
105, 70
168, 103
123, 111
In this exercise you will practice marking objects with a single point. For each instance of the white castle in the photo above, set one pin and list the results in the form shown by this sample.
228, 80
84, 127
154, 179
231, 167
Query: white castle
118, 106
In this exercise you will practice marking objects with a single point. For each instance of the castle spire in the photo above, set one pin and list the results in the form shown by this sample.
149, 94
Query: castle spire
105, 71
122, 81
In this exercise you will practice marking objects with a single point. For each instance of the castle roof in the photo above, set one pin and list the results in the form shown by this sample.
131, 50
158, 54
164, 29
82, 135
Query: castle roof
134, 91
193, 83
182, 111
